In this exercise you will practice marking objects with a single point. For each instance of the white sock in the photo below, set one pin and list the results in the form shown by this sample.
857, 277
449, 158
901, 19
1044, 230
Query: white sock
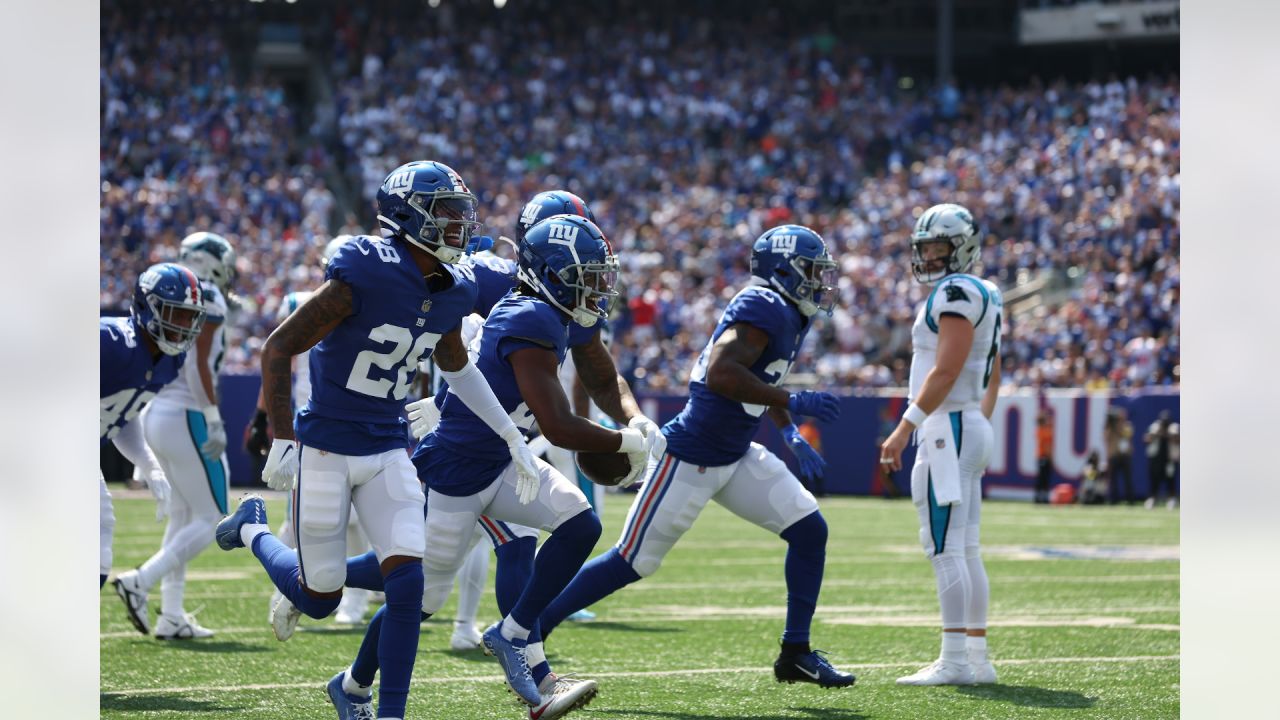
351, 687
511, 630
250, 531
953, 647
977, 647
534, 654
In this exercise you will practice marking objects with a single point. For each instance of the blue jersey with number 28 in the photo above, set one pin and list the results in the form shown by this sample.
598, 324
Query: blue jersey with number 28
361, 372
463, 456
713, 430
129, 377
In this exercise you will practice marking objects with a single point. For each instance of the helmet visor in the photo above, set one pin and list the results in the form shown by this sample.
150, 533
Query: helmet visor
451, 217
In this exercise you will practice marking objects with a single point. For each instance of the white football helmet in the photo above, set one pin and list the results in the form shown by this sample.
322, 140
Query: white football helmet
946, 223
210, 257
332, 247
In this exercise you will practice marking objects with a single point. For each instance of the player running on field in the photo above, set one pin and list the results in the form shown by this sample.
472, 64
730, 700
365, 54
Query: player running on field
710, 456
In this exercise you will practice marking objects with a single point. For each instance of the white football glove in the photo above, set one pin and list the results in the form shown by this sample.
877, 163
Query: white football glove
657, 442
528, 477
217, 442
424, 416
280, 471
158, 484
637, 446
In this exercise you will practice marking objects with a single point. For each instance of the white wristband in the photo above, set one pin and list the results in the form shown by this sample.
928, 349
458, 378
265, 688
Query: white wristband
632, 441
211, 414
915, 415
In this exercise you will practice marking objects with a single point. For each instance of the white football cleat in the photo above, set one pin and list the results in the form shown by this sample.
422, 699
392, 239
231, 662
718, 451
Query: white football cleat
352, 607
984, 673
182, 628
940, 672
271, 604
465, 637
284, 618
561, 695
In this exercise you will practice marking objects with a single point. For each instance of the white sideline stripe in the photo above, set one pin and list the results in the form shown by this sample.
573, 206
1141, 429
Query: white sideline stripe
908, 616
645, 673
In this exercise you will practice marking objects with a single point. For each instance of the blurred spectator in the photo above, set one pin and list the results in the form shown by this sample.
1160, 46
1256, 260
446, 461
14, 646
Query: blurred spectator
1093, 483
1117, 439
1162, 440
1044, 455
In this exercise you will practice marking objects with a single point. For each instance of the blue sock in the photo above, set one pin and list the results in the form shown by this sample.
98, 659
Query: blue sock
102, 580
364, 572
281, 562
599, 578
515, 567
560, 557
806, 556
365, 666
398, 637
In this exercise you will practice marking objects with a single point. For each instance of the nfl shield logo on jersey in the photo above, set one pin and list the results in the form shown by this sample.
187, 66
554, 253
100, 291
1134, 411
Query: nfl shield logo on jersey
426, 305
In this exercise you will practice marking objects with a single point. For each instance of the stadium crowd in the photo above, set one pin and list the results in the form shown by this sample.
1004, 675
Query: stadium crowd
688, 143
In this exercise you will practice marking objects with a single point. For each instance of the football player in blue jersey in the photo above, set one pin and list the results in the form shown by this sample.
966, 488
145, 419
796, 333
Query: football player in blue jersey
139, 355
184, 429
385, 304
710, 456
515, 544
566, 271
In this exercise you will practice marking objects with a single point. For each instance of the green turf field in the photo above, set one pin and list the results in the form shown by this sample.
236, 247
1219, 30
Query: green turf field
1084, 624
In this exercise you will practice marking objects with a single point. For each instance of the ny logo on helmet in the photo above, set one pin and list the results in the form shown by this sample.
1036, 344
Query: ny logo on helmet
784, 244
399, 184
529, 214
563, 234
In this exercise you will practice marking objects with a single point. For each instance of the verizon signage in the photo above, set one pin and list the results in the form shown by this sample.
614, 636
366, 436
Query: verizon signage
1087, 22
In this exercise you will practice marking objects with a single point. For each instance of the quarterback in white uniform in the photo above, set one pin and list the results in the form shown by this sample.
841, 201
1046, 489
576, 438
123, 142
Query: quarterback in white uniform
184, 429
955, 377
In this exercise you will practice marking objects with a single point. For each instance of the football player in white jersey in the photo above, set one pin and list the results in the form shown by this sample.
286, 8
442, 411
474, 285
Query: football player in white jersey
184, 429
955, 377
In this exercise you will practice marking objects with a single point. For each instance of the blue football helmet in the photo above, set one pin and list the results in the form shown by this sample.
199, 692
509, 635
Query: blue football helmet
956, 241
427, 204
545, 204
169, 305
793, 260
570, 264
210, 257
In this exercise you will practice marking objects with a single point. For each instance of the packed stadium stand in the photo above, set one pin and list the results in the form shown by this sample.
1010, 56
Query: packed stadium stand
689, 134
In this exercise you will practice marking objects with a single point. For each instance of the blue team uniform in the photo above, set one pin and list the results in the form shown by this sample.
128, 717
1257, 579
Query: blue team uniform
713, 430
361, 372
129, 376
463, 456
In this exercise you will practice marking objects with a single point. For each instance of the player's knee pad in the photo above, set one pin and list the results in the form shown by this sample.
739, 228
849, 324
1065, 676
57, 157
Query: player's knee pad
972, 552
327, 578
322, 500
645, 565
448, 540
950, 569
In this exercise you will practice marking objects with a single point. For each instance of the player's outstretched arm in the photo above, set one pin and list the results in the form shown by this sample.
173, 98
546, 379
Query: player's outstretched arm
299, 332
203, 386
536, 374
600, 378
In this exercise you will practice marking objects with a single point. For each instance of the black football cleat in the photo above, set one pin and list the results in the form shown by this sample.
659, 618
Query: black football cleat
810, 667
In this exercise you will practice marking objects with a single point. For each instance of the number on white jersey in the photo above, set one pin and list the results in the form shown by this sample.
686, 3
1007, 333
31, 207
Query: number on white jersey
403, 358
127, 404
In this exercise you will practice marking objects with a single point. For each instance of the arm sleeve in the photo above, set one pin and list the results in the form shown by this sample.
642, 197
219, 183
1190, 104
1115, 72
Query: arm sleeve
471, 388
133, 447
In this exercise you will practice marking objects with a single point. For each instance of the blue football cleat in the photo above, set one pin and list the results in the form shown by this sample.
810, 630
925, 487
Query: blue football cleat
810, 667
514, 663
583, 615
251, 510
350, 707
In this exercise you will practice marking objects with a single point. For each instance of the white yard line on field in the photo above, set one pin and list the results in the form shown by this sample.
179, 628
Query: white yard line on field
642, 673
